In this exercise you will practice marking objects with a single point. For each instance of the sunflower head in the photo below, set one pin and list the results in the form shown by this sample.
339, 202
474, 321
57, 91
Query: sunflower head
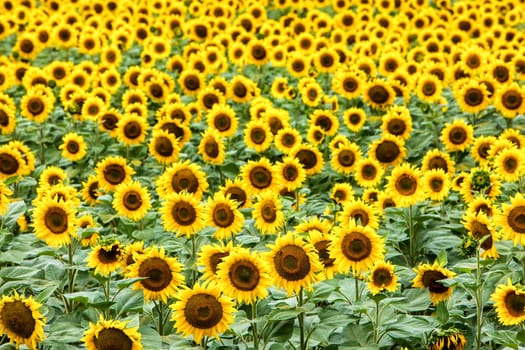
450, 338
111, 334
429, 276
382, 277
509, 302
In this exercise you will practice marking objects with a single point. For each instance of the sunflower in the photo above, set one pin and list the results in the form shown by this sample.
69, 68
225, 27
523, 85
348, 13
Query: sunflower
436, 159
191, 81
89, 191
436, 184
182, 176
210, 257
321, 243
378, 94
514, 136
132, 129
89, 238
54, 222
11, 162
429, 88
268, 213
21, 320
347, 83
7, 120
472, 97
37, 103
297, 65
181, 131
368, 172
131, 200
109, 121
429, 276
356, 211
341, 193
223, 214
290, 173
355, 248
111, 334
354, 118
451, 339
498, 146
73, 146
382, 277
162, 275
258, 176
311, 93
182, 214
164, 147
293, 263
457, 136
242, 89
480, 181
389, 150
222, 118
27, 45
345, 157
310, 158
105, 257
243, 275
257, 135
326, 120
512, 218
5, 192
509, 302
202, 311
480, 148
397, 122
113, 171
509, 99
286, 139
509, 164
211, 147
480, 227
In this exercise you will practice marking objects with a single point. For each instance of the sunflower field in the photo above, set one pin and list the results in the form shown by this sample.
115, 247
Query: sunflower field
262, 174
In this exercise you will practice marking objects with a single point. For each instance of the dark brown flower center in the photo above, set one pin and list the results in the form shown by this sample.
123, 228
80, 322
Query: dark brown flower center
511, 99
109, 256
223, 216
258, 135
324, 255
260, 177
157, 272
258, 52
35, 105
369, 172
438, 162
431, 280
356, 246
290, 172
132, 200
244, 275
183, 213
18, 318
292, 263
192, 83
184, 180
406, 184
112, 339
4, 118
515, 304
222, 122
510, 164
473, 97
114, 174
457, 135
209, 100
346, 157
211, 148
156, 90
216, 259
516, 219
350, 84
387, 151
237, 194
479, 230
396, 127
8, 164
109, 121
56, 220
163, 146
360, 216
72, 147
268, 212
378, 94
203, 311
132, 130
240, 90
381, 277
307, 158
27, 46
429, 88
436, 184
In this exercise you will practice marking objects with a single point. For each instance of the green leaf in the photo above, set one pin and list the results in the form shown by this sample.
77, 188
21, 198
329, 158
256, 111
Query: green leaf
279, 332
16, 273
150, 338
16, 209
283, 314
442, 312
46, 293
129, 301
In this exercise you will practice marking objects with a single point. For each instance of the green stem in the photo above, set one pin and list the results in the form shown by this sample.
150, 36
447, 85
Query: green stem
357, 294
193, 257
508, 122
300, 318
411, 233
107, 292
160, 310
479, 301
254, 326
376, 323
42, 146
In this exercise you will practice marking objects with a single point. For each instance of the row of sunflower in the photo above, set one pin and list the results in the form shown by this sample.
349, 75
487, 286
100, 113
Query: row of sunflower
328, 174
